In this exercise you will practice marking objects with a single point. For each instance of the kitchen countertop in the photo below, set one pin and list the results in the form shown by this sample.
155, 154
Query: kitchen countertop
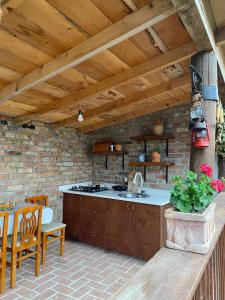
157, 197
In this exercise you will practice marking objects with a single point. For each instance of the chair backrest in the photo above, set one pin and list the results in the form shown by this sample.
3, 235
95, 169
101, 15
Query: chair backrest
27, 223
39, 200
4, 216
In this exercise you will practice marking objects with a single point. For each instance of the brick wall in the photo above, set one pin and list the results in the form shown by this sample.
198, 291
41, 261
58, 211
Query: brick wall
176, 122
38, 161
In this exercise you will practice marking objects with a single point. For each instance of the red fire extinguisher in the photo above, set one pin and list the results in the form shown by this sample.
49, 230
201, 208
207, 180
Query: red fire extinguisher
201, 138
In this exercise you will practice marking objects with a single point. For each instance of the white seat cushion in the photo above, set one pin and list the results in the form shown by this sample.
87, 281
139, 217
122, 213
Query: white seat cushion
52, 226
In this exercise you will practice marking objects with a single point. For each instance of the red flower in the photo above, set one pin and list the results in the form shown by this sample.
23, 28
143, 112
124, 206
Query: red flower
206, 169
217, 185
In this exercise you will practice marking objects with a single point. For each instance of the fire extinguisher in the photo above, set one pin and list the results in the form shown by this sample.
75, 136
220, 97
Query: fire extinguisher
201, 138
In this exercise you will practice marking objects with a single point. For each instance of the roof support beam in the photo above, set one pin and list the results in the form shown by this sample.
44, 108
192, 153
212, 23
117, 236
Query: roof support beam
126, 102
193, 23
220, 36
161, 105
111, 36
199, 22
155, 64
205, 12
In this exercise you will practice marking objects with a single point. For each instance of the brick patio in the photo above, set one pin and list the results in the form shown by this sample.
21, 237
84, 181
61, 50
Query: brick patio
85, 272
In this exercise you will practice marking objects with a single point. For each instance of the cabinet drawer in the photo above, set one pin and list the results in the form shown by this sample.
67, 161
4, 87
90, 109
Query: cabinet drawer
94, 224
94, 239
93, 203
94, 212
118, 244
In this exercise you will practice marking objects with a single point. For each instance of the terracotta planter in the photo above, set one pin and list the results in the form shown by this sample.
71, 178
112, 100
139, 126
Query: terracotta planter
156, 156
190, 231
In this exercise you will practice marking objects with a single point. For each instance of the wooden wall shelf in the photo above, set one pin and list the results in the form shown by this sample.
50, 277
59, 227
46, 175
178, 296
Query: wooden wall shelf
109, 153
151, 163
153, 137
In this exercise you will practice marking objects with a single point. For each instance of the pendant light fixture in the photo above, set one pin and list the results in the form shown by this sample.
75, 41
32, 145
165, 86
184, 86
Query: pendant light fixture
80, 117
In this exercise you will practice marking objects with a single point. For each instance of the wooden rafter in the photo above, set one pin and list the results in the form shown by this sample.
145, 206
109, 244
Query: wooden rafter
205, 13
164, 104
158, 42
220, 36
155, 64
192, 22
111, 36
199, 21
126, 102
10, 5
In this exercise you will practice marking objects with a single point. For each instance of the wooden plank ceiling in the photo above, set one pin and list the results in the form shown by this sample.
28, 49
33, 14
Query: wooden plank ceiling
115, 60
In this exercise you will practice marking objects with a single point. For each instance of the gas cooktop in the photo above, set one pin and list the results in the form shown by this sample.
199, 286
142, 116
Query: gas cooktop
89, 189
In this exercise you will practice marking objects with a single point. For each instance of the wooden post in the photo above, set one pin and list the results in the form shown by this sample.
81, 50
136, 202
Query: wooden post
206, 64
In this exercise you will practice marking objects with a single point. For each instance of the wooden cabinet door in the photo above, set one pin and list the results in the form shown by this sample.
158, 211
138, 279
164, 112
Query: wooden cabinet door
118, 226
145, 226
72, 215
94, 220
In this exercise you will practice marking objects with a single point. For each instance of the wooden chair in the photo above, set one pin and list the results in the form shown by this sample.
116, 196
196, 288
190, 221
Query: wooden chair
26, 238
49, 232
38, 200
4, 216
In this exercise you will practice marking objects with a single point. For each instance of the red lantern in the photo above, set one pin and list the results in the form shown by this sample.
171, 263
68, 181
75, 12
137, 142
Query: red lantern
200, 138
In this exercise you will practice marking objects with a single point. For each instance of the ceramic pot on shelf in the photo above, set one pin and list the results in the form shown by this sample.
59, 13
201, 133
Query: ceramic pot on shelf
142, 157
119, 147
158, 127
156, 156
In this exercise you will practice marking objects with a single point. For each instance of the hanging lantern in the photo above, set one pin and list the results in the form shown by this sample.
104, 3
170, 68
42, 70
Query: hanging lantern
198, 125
201, 138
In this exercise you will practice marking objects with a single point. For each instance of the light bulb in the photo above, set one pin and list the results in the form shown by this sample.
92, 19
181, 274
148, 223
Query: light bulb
80, 116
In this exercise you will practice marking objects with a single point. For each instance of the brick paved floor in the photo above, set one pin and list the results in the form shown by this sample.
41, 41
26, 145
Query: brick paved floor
85, 272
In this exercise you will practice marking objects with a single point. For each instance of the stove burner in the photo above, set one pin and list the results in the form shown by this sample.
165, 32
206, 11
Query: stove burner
89, 189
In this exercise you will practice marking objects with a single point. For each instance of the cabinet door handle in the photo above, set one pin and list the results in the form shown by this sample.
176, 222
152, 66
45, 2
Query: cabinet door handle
94, 223
94, 211
93, 235
128, 206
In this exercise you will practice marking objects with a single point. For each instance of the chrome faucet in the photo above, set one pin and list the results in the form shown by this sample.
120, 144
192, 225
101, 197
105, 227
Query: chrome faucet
138, 183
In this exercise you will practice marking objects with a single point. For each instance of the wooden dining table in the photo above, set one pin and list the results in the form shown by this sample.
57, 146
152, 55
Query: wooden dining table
47, 216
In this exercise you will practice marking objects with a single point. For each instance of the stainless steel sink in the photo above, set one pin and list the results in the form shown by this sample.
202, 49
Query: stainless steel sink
133, 195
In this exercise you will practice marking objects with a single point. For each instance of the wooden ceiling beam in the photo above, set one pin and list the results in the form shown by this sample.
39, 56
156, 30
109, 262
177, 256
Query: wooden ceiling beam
161, 105
193, 23
126, 102
157, 41
206, 15
220, 36
199, 21
155, 64
8, 6
107, 38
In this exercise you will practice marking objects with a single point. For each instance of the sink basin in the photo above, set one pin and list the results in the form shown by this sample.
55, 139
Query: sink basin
130, 195
133, 195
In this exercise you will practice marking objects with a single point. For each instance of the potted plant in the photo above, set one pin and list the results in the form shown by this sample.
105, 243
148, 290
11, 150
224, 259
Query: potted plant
190, 222
156, 156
